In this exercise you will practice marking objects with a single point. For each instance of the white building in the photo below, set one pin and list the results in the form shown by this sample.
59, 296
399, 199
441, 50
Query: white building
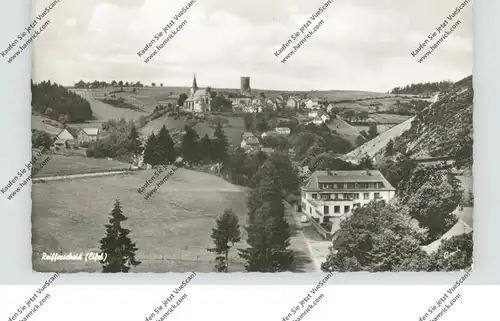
282, 130
87, 135
312, 104
199, 100
329, 195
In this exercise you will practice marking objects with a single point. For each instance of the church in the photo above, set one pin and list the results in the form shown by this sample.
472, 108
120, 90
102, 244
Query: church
199, 99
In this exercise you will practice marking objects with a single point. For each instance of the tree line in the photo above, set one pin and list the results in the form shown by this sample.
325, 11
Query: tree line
422, 88
104, 84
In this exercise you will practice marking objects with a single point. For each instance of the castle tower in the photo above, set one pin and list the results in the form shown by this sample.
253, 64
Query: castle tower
245, 86
194, 86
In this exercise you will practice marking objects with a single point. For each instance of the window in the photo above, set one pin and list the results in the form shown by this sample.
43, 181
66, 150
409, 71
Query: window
380, 185
336, 196
355, 196
366, 196
363, 185
336, 209
347, 196
351, 185
340, 185
347, 208
377, 195
326, 209
310, 210
314, 196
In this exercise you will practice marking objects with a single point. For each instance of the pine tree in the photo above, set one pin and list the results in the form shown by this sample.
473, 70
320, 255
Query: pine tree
206, 148
150, 156
135, 145
227, 231
165, 147
190, 145
117, 247
220, 145
268, 231
389, 148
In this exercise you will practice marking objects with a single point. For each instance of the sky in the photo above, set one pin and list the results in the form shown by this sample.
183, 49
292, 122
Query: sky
362, 44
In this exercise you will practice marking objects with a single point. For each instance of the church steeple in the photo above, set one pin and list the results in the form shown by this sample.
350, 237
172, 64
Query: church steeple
194, 86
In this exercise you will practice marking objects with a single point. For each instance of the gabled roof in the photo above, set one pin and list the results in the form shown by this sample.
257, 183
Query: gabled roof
252, 140
201, 92
65, 135
463, 225
245, 135
350, 176
91, 131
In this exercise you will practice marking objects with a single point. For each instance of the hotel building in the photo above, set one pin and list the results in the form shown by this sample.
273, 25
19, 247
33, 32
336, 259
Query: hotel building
329, 195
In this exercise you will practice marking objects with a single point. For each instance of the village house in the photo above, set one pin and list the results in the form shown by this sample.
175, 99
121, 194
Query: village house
249, 140
282, 130
312, 104
64, 139
317, 121
329, 108
292, 103
324, 117
330, 195
313, 114
87, 135
257, 102
199, 99
251, 109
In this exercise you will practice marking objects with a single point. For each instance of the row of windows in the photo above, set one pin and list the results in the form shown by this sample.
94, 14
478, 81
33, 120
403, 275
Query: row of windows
351, 185
342, 196
336, 209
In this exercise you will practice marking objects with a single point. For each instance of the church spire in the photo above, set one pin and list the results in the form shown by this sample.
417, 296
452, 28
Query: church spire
195, 85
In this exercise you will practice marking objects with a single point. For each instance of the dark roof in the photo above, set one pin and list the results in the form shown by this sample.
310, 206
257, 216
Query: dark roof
351, 176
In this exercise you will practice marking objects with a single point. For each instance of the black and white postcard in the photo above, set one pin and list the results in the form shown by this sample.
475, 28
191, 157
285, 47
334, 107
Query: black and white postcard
217, 136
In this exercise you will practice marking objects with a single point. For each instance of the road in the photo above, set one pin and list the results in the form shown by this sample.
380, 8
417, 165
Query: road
305, 258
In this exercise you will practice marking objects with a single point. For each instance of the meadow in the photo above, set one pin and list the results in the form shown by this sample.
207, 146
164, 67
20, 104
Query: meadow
171, 229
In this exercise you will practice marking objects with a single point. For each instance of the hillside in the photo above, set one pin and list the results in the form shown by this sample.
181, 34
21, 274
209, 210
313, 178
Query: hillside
171, 230
376, 145
444, 129
344, 129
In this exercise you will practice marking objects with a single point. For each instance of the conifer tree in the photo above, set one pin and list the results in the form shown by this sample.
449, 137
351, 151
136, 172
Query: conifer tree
268, 231
117, 247
389, 148
206, 148
165, 146
190, 145
135, 145
224, 236
150, 156
220, 145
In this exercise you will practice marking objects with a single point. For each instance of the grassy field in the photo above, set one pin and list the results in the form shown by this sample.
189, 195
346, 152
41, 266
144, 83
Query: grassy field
104, 111
67, 165
171, 229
